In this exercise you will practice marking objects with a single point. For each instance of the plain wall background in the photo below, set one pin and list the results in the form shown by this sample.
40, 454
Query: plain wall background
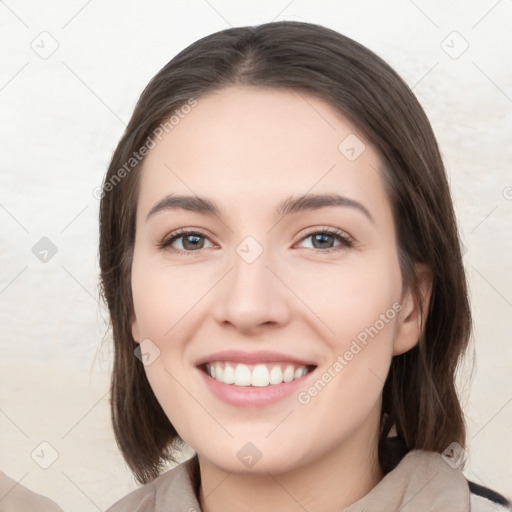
63, 115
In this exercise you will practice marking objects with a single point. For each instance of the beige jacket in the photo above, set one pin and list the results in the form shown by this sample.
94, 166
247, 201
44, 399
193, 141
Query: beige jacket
422, 481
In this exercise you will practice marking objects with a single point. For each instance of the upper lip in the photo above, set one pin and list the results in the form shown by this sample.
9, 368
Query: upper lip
238, 356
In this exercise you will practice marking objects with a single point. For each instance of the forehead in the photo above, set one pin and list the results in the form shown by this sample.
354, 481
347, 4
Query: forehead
255, 146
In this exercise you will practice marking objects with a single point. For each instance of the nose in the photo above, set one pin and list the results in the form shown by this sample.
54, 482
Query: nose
253, 293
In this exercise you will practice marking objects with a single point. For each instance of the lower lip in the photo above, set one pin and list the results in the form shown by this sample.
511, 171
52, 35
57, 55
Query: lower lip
252, 396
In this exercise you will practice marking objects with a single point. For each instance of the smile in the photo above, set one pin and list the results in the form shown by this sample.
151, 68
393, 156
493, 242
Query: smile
258, 375
254, 379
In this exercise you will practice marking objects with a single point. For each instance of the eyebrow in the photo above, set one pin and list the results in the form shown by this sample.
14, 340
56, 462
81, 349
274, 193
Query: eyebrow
206, 206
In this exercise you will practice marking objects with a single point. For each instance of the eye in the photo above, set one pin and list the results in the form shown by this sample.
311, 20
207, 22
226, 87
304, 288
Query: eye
323, 239
191, 241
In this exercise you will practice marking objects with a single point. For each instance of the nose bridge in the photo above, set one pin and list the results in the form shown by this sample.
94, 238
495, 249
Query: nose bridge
253, 294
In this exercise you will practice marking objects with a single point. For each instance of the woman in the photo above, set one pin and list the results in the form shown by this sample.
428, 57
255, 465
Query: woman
303, 377
280, 259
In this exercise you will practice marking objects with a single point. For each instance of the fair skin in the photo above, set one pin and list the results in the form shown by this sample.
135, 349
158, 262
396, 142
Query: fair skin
248, 149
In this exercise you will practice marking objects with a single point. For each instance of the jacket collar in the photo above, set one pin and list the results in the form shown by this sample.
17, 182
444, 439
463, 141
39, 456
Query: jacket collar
422, 481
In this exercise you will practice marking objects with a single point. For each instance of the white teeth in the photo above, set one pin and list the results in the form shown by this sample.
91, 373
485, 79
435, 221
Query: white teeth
289, 373
242, 375
229, 375
276, 375
219, 372
262, 375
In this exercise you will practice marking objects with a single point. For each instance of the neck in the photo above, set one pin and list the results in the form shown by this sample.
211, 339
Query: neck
331, 482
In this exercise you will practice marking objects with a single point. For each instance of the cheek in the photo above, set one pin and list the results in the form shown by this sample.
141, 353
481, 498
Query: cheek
164, 298
349, 385
359, 305
347, 299
174, 398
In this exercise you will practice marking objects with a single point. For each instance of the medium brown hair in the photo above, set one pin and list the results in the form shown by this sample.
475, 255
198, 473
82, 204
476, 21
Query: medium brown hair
419, 395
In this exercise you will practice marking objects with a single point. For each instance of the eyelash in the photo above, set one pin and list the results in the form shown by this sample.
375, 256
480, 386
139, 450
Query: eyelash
346, 240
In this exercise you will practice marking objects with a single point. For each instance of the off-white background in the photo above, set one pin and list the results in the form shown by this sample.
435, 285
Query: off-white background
61, 119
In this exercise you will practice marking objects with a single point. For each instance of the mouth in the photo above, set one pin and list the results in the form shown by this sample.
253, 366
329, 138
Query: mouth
254, 379
255, 375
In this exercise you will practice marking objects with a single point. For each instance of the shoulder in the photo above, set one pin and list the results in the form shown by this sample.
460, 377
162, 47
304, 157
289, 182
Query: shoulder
172, 490
483, 499
14, 497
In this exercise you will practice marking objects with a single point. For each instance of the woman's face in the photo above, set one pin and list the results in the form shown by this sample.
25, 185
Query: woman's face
295, 308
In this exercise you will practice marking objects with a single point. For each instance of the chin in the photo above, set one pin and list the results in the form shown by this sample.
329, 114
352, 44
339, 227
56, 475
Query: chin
256, 459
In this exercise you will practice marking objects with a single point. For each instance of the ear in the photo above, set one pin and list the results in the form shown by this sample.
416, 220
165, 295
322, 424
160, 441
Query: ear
135, 330
410, 321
